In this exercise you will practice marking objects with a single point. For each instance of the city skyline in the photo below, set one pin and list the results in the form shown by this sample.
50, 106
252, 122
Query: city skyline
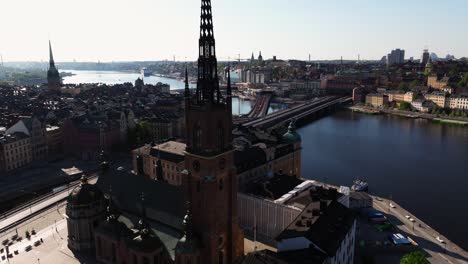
144, 30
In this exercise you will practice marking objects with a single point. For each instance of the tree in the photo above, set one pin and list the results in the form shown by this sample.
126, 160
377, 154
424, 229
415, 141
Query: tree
416, 257
464, 80
405, 106
403, 86
413, 84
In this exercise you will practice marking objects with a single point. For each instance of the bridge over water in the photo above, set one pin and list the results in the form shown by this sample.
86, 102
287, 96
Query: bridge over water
262, 104
299, 112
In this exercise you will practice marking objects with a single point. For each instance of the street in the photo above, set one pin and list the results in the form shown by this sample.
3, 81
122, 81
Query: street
425, 236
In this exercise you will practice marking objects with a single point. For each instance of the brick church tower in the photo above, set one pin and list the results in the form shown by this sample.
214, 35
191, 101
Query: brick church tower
211, 179
54, 82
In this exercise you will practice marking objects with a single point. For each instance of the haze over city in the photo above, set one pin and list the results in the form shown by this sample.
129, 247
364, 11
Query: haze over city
156, 30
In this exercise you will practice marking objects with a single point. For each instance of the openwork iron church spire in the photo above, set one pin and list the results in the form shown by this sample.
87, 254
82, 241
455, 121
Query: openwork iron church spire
208, 83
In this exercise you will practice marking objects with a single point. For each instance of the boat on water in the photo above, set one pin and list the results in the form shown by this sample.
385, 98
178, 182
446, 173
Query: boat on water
360, 186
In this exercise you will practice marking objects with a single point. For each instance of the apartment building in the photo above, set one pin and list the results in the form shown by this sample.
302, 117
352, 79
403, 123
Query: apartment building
15, 151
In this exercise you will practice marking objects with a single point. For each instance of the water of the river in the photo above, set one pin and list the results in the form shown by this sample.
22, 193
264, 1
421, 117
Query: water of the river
113, 77
420, 164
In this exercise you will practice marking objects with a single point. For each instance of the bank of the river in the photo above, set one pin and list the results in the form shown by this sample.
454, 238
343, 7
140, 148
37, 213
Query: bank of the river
436, 118
418, 163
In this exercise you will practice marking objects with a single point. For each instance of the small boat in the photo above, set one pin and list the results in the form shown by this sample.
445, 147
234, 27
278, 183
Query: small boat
360, 186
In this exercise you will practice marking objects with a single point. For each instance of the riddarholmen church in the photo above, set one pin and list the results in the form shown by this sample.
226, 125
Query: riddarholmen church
183, 204
127, 219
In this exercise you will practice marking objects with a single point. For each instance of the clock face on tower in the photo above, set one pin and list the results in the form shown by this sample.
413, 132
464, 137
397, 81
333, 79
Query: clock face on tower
196, 165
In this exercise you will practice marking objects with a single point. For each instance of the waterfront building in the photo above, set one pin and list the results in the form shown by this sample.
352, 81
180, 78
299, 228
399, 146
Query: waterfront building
54, 82
439, 98
359, 95
399, 96
15, 151
377, 100
459, 102
396, 57
421, 105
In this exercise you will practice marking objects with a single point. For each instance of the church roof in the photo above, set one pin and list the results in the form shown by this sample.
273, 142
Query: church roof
164, 202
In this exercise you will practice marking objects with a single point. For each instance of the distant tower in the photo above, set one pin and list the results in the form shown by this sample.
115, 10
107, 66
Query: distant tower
252, 58
429, 66
260, 57
211, 178
425, 57
54, 81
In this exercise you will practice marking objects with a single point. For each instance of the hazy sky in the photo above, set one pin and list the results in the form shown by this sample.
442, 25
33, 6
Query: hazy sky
116, 30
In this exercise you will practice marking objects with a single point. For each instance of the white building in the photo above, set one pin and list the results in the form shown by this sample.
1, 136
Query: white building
319, 225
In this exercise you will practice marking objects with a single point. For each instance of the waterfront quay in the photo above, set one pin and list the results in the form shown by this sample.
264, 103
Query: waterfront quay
408, 114
425, 236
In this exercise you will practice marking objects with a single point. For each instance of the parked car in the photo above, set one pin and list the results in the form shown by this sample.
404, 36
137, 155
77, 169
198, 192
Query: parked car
440, 240
392, 205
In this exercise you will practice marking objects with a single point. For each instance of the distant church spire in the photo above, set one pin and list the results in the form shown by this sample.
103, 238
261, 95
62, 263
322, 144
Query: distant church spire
54, 82
51, 59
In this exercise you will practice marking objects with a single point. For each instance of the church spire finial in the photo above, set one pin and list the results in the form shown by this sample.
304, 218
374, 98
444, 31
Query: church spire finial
51, 56
187, 89
208, 83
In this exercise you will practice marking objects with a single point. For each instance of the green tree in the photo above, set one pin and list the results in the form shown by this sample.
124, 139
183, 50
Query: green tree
464, 80
416, 257
413, 84
405, 106
403, 86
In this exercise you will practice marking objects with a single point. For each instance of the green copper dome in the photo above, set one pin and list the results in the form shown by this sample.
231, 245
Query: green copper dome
291, 136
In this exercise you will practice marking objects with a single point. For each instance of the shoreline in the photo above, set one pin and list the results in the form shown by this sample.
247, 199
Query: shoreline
418, 229
414, 115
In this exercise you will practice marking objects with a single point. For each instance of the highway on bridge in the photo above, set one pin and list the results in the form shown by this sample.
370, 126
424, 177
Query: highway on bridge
297, 112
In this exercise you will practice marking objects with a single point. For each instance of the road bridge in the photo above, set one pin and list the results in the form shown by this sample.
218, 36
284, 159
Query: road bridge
299, 112
262, 104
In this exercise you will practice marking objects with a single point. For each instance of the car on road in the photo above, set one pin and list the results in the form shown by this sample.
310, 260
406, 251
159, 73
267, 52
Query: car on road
392, 205
412, 220
440, 240
28, 248
407, 216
